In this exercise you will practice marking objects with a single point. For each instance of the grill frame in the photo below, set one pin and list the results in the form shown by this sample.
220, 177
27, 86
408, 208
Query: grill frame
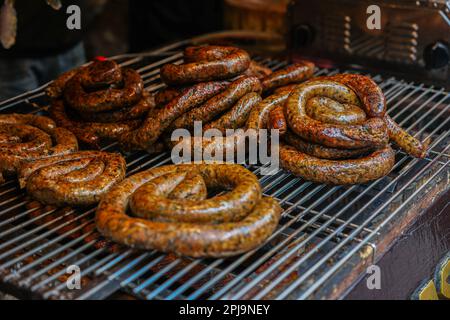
312, 232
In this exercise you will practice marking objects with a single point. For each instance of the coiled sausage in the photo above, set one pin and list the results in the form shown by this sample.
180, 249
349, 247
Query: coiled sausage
93, 78
353, 171
372, 133
225, 225
30, 137
77, 179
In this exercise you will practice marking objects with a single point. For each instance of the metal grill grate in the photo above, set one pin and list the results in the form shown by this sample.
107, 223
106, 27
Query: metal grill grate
327, 234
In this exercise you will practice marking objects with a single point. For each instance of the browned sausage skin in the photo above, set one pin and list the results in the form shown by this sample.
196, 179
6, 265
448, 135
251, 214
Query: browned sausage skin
29, 137
259, 116
238, 115
374, 103
154, 126
404, 140
257, 70
319, 151
219, 103
77, 179
354, 171
372, 133
247, 229
296, 73
206, 64
277, 120
90, 133
100, 101
94, 77
370, 94
137, 111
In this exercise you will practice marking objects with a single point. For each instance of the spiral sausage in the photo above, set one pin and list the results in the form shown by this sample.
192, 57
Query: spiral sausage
372, 98
93, 78
99, 102
373, 103
206, 64
30, 137
77, 179
372, 133
225, 225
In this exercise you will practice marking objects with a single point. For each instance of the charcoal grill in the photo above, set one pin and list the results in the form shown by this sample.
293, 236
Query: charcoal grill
326, 239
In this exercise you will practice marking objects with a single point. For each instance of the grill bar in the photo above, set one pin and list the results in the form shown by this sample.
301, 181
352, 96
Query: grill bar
322, 229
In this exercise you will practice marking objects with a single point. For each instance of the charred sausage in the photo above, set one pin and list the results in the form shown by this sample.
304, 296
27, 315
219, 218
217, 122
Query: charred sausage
108, 99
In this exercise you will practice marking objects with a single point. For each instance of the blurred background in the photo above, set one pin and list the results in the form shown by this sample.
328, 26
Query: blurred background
44, 47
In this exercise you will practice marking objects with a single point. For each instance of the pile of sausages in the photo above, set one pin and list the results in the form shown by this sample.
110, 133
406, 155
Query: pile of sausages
169, 211
99, 101
216, 85
336, 130
25, 138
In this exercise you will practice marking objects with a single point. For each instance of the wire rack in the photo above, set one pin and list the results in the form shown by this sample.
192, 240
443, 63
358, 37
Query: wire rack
326, 237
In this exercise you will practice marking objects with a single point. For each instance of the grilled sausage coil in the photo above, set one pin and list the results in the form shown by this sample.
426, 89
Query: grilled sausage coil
77, 179
28, 137
333, 135
99, 101
85, 91
206, 63
371, 133
169, 221
374, 104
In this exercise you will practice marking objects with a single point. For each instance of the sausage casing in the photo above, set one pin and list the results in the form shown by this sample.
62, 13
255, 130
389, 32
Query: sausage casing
336, 172
77, 179
206, 64
372, 133
189, 238
296, 73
